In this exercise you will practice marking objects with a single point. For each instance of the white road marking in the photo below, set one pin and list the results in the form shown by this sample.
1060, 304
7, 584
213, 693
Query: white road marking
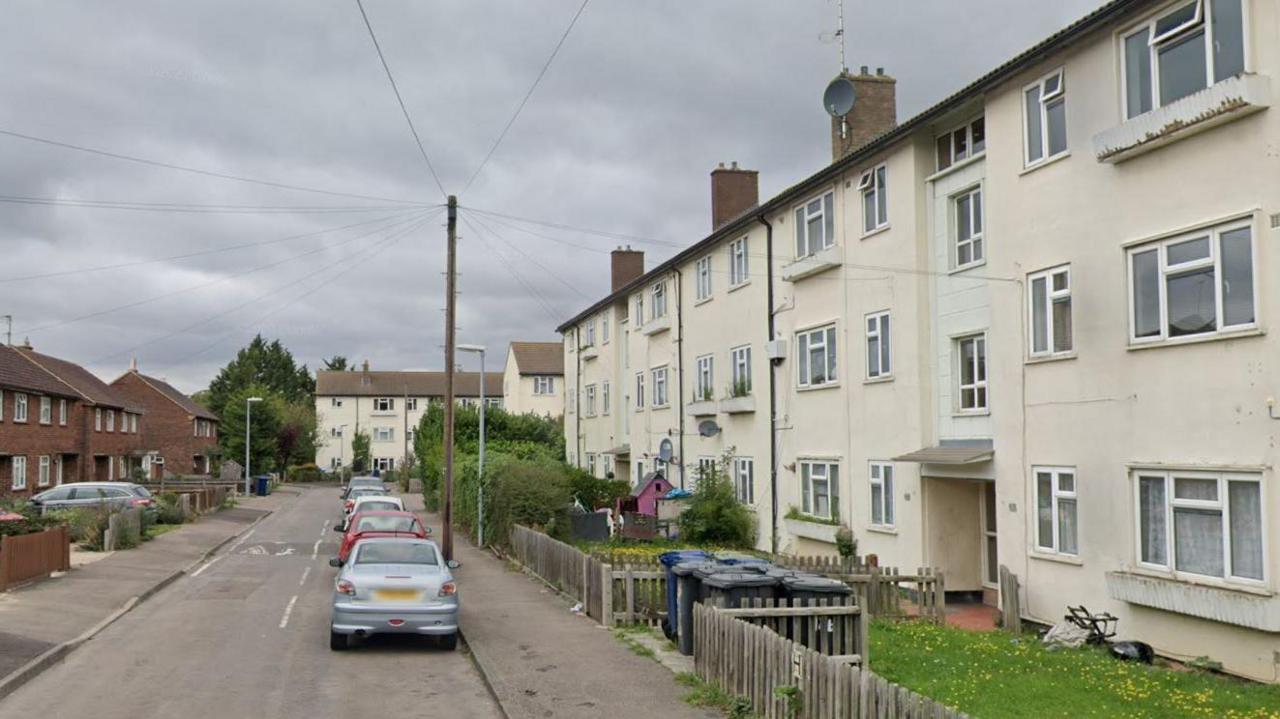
305, 572
285, 552
324, 528
236, 546
206, 565
256, 550
284, 621
315, 549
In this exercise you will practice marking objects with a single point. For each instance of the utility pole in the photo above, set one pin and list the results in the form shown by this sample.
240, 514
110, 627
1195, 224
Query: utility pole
451, 279
8, 334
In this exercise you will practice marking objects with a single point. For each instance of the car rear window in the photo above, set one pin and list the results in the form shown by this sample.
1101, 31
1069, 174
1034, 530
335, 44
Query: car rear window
379, 506
396, 553
141, 491
387, 524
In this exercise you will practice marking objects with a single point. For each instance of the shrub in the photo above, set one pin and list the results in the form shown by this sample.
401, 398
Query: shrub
715, 516
303, 473
169, 509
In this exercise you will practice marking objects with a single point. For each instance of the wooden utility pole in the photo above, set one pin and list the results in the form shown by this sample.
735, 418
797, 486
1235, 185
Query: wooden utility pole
451, 278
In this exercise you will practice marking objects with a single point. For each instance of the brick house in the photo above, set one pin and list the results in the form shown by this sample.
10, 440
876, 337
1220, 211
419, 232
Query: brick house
41, 427
183, 433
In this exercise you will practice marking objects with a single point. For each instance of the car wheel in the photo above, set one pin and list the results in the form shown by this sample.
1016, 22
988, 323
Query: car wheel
448, 642
338, 642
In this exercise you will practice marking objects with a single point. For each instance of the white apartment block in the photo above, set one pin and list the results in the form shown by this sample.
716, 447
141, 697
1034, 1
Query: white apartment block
1026, 327
533, 379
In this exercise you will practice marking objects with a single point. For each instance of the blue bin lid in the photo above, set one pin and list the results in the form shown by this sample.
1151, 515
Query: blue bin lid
739, 558
674, 557
733, 580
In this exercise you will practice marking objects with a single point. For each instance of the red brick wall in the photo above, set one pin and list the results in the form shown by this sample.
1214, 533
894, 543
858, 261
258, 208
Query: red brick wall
169, 429
110, 444
32, 440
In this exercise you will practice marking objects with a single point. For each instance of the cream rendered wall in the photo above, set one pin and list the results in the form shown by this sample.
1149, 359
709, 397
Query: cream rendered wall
1107, 406
648, 350
593, 365
357, 413
518, 396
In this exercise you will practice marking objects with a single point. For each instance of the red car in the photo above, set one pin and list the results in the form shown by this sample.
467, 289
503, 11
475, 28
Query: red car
380, 524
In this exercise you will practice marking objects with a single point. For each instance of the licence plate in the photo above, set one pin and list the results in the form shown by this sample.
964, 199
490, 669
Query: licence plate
396, 595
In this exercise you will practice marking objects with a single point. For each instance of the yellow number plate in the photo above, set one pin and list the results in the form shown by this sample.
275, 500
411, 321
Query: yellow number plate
395, 595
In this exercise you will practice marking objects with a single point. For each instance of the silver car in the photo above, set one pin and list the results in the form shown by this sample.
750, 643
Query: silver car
394, 585
362, 483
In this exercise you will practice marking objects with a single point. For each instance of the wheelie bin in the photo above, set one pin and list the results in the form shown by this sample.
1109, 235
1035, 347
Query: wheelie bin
729, 587
809, 588
670, 626
689, 592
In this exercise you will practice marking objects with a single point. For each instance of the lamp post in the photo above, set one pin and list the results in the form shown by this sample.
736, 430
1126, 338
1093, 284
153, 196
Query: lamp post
479, 349
248, 419
342, 448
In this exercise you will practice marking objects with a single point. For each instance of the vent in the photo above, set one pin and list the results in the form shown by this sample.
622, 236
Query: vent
1275, 221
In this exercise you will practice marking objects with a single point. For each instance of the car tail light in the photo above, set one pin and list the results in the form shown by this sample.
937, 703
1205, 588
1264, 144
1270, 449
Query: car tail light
346, 587
448, 589
350, 504
139, 502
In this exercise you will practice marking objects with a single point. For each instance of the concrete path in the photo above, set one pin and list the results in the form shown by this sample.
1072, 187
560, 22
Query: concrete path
245, 634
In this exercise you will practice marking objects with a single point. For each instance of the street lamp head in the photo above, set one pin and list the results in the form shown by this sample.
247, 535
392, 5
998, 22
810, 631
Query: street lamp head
470, 348
253, 399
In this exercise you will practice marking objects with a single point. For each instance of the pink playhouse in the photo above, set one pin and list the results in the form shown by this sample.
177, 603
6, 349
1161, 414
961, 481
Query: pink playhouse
644, 496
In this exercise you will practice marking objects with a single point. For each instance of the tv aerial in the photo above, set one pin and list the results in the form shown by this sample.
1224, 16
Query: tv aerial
840, 95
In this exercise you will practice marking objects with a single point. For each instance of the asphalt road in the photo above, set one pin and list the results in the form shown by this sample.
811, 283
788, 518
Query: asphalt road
246, 635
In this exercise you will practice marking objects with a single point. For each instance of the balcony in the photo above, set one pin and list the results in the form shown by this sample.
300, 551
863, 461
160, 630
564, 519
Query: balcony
589, 352
1220, 604
656, 325
703, 408
738, 405
1222, 102
820, 261
817, 531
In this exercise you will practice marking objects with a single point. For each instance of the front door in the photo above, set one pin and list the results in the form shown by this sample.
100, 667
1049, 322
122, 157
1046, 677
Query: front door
990, 558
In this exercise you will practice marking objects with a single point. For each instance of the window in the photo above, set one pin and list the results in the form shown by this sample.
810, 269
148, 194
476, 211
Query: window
815, 225
384, 464
195, 428
411, 404
384, 404
589, 401
133, 424
97, 419
335, 402
604, 397
968, 228
46, 410
738, 264
879, 361
639, 390
703, 276
875, 199
744, 484
659, 302
591, 463
590, 339
19, 407
1049, 303
816, 350
544, 385
1181, 52
1045, 117
335, 431
42, 478
19, 465
1056, 526
604, 327
1192, 285
62, 412
639, 308
1, 404
111, 420
968, 140
384, 434
660, 387
57, 463
704, 387
972, 385
740, 359
1202, 523
882, 494
706, 469
819, 482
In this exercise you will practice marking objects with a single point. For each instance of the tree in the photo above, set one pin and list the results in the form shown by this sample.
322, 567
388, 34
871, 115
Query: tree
360, 451
264, 429
267, 365
299, 434
714, 515
336, 363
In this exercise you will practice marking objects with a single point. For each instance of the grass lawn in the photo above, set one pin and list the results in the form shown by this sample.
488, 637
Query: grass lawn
994, 674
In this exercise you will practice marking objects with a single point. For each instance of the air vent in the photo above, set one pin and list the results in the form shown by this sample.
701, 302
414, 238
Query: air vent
1275, 221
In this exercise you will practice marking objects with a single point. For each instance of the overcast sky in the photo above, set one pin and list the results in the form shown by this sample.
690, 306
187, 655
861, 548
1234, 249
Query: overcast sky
641, 103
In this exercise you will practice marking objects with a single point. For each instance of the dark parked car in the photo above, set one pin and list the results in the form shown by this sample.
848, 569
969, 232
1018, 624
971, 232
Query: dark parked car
91, 495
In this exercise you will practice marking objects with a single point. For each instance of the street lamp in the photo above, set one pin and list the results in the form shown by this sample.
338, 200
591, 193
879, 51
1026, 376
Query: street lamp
342, 448
479, 349
248, 419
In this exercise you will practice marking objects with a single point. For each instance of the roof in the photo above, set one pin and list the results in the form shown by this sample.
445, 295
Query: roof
18, 372
1022, 61
81, 380
539, 358
394, 384
952, 452
171, 393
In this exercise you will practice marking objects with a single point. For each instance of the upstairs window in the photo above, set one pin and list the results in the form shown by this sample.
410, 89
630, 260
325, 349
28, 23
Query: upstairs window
590, 334
1045, 118
875, 199
738, 265
46, 410
97, 419
544, 385
740, 359
384, 434
62, 412
589, 401
660, 387
604, 397
816, 352
703, 276
20, 407
972, 373
879, 359
639, 313
704, 389
335, 402
411, 404
384, 404
1050, 305
659, 300
111, 420
966, 141
1181, 52
815, 225
639, 390
604, 327
969, 248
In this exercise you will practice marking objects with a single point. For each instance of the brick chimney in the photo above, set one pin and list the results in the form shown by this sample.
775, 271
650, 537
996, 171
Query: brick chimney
626, 265
874, 112
733, 192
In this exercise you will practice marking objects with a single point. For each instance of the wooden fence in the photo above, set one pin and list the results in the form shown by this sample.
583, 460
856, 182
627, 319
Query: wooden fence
832, 627
28, 557
885, 592
754, 662
1010, 604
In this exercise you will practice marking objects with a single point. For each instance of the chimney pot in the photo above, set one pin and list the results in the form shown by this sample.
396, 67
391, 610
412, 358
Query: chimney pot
880, 71
874, 113
733, 192
864, 70
365, 365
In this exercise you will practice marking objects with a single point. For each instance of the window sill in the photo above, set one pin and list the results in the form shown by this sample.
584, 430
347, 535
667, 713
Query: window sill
656, 325
1042, 359
738, 405
966, 268
740, 285
820, 261
883, 529
703, 301
878, 380
1059, 558
956, 166
818, 388
971, 413
872, 233
657, 407
1198, 339
814, 528
588, 353
1028, 169
701, 408
379, 413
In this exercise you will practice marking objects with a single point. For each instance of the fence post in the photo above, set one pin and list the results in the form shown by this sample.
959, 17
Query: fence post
1010, 609
606, 594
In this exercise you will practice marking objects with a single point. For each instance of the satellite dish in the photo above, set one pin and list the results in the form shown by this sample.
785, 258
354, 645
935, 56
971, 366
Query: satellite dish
839, 97
664, 450
708, 428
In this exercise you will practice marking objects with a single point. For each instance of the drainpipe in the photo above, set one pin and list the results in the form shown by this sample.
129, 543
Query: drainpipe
577, 400
680, 366
773, 390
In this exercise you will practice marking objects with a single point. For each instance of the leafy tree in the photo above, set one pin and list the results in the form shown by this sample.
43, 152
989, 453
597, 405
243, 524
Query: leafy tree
264, 429
267, 365
715, 516
299, 434
336, 363
360, 457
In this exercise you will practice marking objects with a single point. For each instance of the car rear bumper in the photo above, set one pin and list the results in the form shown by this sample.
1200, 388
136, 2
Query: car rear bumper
384, 619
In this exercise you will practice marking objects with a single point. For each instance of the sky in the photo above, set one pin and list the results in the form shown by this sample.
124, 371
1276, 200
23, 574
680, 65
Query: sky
179, 269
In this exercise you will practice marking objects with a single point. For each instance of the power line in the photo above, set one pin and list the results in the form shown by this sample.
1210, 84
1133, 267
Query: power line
220, 280
171, 258
546, 306
583, 230
555, 51
554, 275
189, 207
196, 170
399, 99
240, 306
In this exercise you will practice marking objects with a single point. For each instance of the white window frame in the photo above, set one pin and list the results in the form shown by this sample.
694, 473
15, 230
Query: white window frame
744, 480
879, 334
1046, 99
18, 468
830, 475
979, 385
880, 475
604, 327
660, 388
639, 313
739, 262
976, 224
873, 188
702, 278
57, 463
1051, 297
639, 396
46, 409
19, 407
589, 337
384, 464
111, 420
97, 419
384, 404
44, 471
604, 397
965, 130
740, 364
133, 423
805, 213
591, 463
384, 434
1, 404
829, 338
1057, 495
704, 379
335, 402
411, 404
544, 385
1221, 505
589, 401
658, 297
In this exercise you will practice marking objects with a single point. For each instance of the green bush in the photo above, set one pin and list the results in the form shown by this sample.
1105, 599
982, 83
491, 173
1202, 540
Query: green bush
304, 473
169, 509
715, 516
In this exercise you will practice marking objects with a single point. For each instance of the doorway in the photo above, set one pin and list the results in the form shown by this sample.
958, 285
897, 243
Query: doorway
990, 555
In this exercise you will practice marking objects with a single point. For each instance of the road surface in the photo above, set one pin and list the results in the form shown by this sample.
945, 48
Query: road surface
246, 635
